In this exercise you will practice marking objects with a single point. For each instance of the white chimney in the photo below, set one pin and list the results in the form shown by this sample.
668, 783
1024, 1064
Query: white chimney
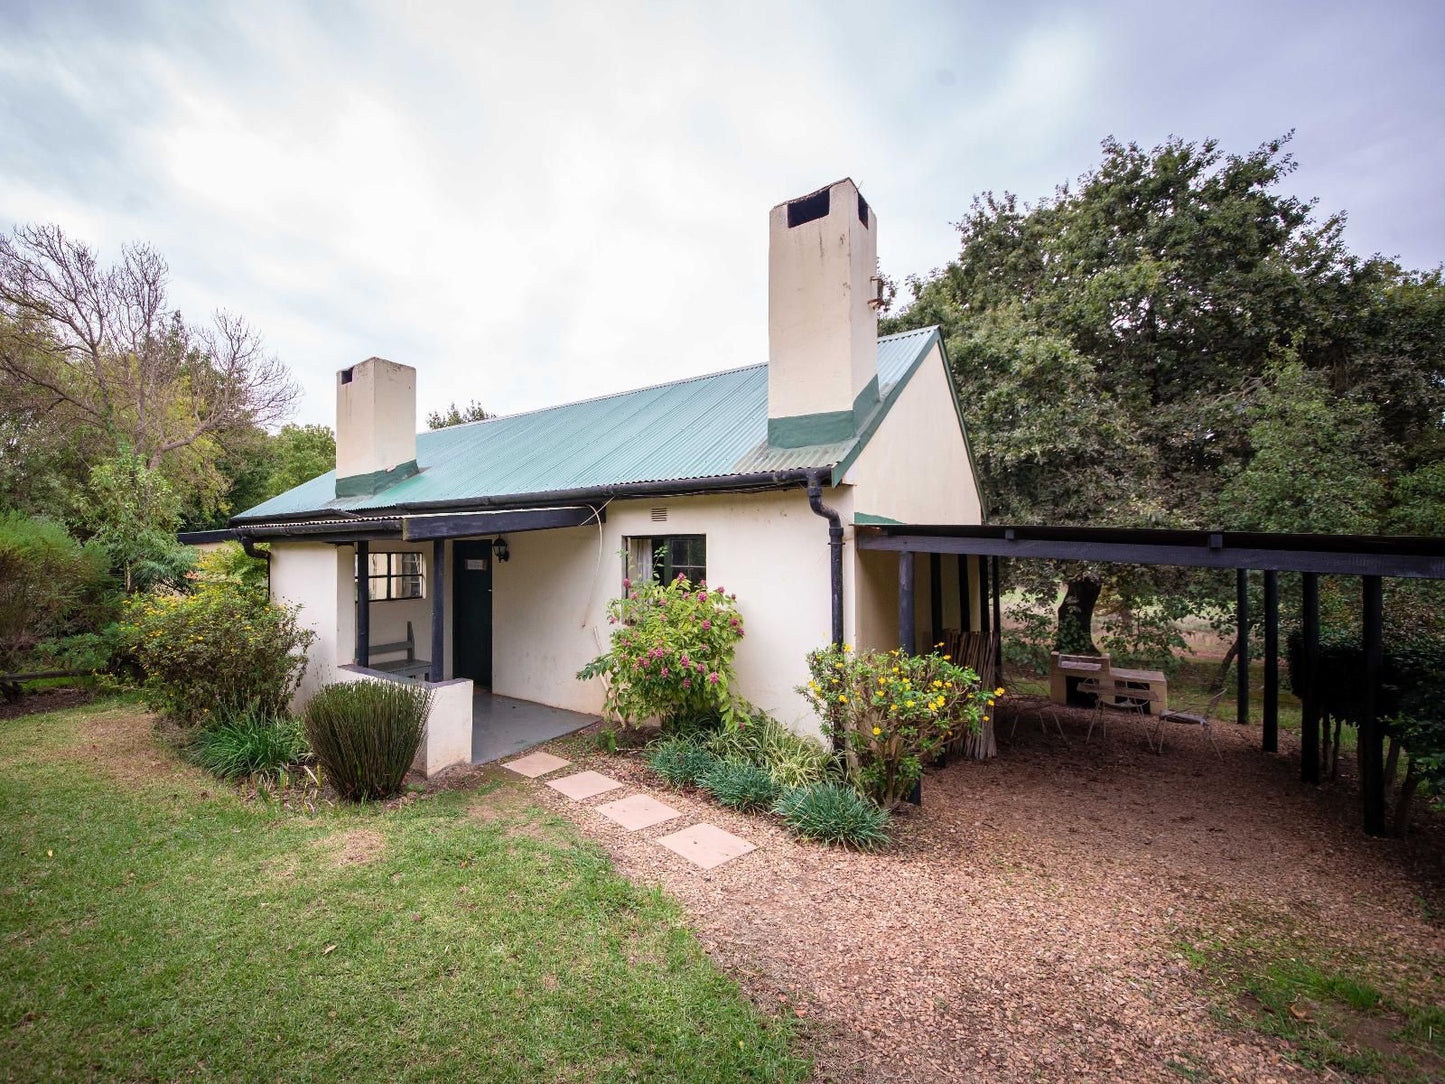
822, 317
375, 426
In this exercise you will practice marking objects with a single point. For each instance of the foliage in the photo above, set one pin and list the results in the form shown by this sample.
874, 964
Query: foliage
366, 734
741, 785
834, 813
671, 653
132, 513
892, 712
215, 653
229, 565
52, 585
472, 412
249, 743
681, 761
299, 453
791, 759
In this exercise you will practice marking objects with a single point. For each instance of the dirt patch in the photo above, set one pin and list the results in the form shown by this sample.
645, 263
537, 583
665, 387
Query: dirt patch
1025, 924
128, 746
357, 847
46, 700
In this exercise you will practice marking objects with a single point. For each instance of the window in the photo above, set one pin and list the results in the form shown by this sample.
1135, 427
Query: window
397, 575
666, 557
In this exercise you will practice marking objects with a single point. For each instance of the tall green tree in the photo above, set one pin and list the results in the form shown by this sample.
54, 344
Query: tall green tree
452, 415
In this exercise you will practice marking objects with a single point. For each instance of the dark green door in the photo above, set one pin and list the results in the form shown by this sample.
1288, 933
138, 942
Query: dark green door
472, 612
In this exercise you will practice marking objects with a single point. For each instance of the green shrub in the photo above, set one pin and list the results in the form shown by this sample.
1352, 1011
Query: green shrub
671, 655
249, 744
791, 759
366, 734
739, 784
834, 813
681, 761
53, 587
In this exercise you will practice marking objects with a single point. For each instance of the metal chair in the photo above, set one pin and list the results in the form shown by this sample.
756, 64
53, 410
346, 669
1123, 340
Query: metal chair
1200, 719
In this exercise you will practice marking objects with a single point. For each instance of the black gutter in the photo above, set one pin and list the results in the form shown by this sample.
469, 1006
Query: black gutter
835, 545
677, 487
249, 545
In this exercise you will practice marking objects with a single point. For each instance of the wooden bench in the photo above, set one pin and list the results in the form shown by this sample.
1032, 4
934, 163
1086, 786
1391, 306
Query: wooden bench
409, 667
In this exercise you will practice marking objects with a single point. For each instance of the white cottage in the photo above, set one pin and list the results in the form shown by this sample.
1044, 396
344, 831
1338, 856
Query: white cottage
493, 547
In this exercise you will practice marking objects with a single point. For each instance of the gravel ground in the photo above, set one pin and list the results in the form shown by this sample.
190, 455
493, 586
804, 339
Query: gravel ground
1022, 927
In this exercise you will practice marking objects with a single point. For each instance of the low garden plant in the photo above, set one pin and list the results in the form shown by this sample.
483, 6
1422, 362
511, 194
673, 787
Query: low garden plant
250, 744
366, 734
792, 759
893, 712
740, 785
834, 813
681, 761
671, 654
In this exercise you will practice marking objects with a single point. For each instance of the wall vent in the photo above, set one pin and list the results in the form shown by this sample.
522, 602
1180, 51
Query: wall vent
659, 514
808, 208
346, 376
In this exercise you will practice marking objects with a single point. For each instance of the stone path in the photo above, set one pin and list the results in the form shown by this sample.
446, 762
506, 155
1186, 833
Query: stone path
702, 844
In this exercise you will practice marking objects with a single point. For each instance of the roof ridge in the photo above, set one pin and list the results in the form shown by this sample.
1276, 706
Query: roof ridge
649, 387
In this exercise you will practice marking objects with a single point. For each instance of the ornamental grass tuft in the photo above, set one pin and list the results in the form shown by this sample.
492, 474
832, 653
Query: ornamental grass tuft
834, 813
791, 759
740, 785
366, 734
681, 761
251, 743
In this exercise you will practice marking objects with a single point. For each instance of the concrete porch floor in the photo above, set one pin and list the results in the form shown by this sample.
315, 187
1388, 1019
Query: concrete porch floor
502, 726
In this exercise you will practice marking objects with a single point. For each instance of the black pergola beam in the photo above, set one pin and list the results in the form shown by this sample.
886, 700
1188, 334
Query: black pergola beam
1421, 558
1271, 662
465, 524
907, 628
935, 597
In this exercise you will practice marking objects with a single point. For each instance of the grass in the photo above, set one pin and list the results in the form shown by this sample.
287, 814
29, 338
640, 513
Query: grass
1329, 1008
153, 925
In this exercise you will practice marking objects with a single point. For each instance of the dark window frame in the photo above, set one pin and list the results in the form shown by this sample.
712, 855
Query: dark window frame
665, 565
393, 575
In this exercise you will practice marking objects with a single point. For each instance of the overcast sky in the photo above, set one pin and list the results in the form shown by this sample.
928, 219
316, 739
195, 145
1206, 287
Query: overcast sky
542, 202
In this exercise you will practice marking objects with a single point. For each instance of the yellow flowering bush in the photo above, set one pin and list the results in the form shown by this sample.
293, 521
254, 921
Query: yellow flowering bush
218, 651
892, 712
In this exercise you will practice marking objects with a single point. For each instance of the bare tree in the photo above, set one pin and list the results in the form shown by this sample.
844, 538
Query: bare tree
99, 345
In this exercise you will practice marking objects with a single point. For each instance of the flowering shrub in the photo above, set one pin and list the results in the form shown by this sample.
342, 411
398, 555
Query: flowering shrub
217, 652
672, 652
892, 712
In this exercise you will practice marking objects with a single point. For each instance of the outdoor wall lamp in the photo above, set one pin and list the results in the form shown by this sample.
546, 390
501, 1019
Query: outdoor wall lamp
499, 547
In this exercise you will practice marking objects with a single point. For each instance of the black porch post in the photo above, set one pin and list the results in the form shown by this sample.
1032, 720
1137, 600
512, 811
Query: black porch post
997, 596
1271, 661
935, 598
965, 619
438, 609
983, 614
363, 604
1372, 765
1241, 612
1310, 713
907, 638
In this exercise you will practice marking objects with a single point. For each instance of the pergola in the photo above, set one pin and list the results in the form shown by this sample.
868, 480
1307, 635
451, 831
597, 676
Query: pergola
1372, 558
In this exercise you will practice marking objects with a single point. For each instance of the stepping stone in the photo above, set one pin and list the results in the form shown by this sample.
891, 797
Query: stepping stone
637, 811
583, 785
535, 764
707, 845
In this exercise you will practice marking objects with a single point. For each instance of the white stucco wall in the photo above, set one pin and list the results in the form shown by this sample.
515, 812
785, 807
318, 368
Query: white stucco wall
915, 469
447, 740
312, 575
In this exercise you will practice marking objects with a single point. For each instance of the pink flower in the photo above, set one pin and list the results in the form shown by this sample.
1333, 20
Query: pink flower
712, 678
664, 671
657, 652
734, 622
611, 620
702, 596
687, 683
685, 660
627, 585
706, 625
698, 667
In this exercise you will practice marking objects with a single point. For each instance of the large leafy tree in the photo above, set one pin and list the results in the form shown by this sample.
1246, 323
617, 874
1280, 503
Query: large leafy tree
1140, 341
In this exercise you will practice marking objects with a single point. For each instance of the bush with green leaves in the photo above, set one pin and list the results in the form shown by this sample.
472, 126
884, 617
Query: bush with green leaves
892, 712
671, 654
740, 785
366, 733
681, 761
53, 587
791, 759
217, 652
834, 813
250, 744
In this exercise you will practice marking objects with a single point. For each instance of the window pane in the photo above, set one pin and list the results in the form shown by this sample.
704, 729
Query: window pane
409, 564
378, 587
407, 587
379, 562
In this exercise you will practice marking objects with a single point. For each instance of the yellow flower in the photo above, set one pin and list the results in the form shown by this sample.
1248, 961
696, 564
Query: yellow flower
937, 684
842, 699
985, 718
847, 647
990, 701
895, 669
908, 703
998, 691
837, 666
877, 731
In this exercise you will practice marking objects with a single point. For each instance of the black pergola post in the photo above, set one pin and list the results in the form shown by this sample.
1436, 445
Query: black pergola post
1271, 661
965, 619
935, 597
983, 614
438, 609
907, 638
1372, 760
363, 604
997, 596
1310, 706
1241, 611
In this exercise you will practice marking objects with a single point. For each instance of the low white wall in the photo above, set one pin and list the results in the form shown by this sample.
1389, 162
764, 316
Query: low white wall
447, 740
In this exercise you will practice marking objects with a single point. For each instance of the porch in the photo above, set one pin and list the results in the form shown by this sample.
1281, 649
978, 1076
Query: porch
503, 725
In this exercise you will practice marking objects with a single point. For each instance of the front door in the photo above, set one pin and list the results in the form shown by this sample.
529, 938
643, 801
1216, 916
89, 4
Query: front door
472, 612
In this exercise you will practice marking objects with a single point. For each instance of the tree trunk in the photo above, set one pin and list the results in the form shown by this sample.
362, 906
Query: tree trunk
1401, 823
1075, 633
1229, 657
1335, 752
1392, 762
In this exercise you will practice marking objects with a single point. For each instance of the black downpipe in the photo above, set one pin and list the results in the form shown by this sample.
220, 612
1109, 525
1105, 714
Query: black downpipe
835, 546
249, 545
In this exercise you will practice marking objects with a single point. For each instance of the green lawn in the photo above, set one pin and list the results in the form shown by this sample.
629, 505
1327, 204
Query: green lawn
155, 926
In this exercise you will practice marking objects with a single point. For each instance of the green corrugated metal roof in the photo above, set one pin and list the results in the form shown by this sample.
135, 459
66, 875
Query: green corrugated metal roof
701, 427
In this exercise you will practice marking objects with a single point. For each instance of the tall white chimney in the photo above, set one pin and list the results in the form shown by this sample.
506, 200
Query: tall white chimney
822, 319
375, 426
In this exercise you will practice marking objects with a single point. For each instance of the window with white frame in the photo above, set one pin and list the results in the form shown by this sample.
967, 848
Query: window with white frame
665, 557
396, 576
